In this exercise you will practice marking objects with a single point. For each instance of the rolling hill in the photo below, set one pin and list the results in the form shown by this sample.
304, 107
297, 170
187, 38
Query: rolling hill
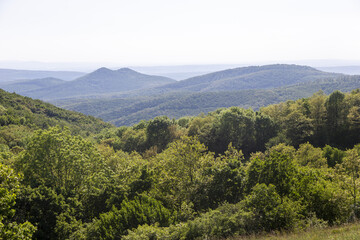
101, 81
128, 111
255, 77
20, 116
23, 86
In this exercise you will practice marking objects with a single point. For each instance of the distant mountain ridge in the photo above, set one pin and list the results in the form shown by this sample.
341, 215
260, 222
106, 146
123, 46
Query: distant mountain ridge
254, 77
101, 81
7, 75
352, 70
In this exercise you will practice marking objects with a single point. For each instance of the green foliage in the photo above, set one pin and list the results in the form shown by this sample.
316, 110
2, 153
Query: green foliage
230, 172
244, 129
158, 132
333, 155
269, 210
277, 166
317, 112
228, 178
128, 176
9, 188
62, 174
40, 206
141, 210
262, 210
349, 173
322, 195
20, 116
301, 125
307, 155
153, 135
58, 160
131, 140
335, 116
320, 120
236, 126
179, 171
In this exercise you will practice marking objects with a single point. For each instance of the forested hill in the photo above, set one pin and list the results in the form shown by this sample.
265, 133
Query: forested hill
128, 111
101, 81
20, 116
254, 77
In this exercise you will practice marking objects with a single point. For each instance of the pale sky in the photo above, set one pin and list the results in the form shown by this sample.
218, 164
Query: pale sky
172, 32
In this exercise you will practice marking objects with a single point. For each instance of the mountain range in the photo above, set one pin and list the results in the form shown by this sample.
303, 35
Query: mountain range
125, 96
352, 70
126, 82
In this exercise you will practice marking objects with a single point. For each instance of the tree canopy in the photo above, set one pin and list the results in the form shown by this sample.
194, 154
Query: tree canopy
289, 166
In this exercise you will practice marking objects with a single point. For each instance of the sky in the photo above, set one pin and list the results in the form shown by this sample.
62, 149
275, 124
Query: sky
176, 32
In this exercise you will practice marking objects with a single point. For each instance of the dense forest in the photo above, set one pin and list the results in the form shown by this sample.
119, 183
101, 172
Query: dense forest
285, 167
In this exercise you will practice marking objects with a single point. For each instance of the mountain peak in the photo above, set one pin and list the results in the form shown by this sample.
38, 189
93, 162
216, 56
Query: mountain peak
102, 81
103, 69
101, 72
126, 70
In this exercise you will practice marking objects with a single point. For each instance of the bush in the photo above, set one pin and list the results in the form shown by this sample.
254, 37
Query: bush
141, 210
262, 210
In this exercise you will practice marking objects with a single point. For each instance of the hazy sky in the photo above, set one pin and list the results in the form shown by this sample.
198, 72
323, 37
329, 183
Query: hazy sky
168, 32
